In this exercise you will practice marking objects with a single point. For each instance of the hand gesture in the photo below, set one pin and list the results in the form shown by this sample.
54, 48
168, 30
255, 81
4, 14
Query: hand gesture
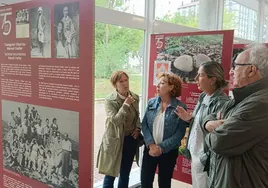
183, 114
129, 100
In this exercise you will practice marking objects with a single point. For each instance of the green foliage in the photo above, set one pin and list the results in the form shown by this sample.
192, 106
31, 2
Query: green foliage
103, 86
191, 20
113, 47
113, 4
109, 57
228, 20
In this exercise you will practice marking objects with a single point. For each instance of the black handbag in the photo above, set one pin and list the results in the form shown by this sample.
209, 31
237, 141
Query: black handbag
140, 139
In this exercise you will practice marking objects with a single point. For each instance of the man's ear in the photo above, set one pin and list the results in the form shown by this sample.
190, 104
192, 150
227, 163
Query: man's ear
252, 71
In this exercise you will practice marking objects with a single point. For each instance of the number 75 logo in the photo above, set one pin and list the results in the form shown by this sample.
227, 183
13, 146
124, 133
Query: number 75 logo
159, 41
6, 25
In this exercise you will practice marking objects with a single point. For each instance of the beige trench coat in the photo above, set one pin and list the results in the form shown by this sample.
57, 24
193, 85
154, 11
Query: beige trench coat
110, 152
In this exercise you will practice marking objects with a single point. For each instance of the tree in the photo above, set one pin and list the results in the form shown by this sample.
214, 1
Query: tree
112, 4
176, 18
228, 20
191, 20
114, 44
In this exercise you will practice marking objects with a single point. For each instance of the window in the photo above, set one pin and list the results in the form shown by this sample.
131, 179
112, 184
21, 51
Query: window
265, 25
245, 21
177, 12
136, 7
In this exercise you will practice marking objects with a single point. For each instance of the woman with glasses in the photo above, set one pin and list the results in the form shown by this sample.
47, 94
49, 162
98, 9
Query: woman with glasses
210, 80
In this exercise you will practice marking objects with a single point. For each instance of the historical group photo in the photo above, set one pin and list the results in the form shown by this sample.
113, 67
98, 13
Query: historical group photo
22, 23
41, 143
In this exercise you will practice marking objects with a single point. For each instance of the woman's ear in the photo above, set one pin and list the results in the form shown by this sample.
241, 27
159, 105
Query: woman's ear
213, 79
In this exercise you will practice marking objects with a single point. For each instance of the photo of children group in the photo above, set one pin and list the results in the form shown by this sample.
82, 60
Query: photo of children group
22, 23
22, 16
41, 143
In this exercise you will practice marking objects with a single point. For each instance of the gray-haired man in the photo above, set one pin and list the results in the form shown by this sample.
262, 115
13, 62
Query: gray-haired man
238, 137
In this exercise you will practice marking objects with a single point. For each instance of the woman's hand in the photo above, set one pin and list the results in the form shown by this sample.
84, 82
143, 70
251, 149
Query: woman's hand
136, 133
155, 150
129, 100
183, 114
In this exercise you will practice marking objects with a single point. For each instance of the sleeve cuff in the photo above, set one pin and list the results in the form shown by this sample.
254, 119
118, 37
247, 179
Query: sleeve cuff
162, 148
126, 104
204, 126
151, 142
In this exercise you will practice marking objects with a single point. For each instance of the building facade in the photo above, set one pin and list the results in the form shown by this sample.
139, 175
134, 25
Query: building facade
244, 19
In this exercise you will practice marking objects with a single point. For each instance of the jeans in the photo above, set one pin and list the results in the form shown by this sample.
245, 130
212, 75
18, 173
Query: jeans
129, 151
165, 162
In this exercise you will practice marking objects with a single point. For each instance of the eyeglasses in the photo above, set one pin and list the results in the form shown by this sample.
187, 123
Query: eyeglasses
239, 64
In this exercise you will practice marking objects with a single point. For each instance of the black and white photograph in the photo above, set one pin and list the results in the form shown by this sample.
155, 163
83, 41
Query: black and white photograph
187, 53
66, 28
40, 32
22, 23
41, 143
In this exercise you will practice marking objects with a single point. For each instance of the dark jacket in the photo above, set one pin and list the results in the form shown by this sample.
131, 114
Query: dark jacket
174, 128
239, 147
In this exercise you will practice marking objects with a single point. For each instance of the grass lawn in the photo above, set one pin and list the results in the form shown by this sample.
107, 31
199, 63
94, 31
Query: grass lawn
103, 87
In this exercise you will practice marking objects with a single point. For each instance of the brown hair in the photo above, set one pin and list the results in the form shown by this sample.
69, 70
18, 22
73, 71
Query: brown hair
116, 75
174, 80
214, 69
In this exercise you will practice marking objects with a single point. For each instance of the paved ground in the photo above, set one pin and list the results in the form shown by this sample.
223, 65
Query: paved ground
99, 125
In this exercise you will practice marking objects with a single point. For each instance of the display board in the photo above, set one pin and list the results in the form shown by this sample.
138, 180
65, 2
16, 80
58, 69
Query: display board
182, 54
47, 69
